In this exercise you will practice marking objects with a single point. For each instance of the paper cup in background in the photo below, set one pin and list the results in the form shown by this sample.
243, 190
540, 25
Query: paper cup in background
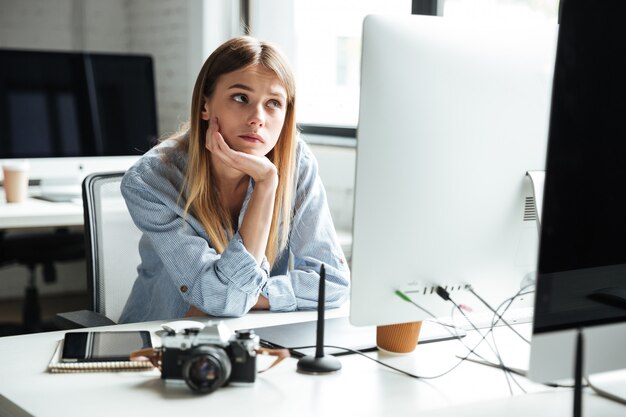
15, 181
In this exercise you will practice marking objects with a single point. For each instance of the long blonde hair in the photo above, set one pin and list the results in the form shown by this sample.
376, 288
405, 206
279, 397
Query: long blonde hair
202, 199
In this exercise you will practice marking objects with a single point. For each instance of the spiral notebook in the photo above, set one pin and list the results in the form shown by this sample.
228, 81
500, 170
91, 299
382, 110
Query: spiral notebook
56, 366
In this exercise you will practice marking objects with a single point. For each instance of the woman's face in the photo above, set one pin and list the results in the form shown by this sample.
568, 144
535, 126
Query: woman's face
250, 105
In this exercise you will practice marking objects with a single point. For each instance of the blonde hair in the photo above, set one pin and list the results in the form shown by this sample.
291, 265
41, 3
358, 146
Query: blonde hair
200, 189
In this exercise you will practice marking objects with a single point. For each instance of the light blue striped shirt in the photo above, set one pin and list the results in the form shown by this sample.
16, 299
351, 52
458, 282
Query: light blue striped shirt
179, 268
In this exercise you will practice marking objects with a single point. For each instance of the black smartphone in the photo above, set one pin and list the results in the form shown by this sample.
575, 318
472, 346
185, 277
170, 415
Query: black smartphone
103, 346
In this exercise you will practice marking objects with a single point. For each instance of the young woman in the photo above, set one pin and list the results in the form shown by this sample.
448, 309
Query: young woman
233, 213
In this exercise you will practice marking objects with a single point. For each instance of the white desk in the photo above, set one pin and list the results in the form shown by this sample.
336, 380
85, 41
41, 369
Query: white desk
361, 388
39, 213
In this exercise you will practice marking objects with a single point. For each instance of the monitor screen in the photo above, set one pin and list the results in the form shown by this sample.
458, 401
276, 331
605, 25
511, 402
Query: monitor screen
126, 103
69, 104
452, 116
44, 104
72, 113
581, 282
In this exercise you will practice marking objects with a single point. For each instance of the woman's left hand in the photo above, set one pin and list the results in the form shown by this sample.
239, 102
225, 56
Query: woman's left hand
260, 168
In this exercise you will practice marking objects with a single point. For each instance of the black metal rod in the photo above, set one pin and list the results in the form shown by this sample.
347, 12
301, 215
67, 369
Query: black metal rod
578, 375
321, 301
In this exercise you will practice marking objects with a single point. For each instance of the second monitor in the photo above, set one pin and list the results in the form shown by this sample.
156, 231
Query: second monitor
452, 116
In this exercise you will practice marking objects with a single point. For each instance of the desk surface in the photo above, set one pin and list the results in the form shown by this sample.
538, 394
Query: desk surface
361, 388
39, 213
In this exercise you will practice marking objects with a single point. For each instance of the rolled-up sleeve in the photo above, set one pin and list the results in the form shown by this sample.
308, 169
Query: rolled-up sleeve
313, 241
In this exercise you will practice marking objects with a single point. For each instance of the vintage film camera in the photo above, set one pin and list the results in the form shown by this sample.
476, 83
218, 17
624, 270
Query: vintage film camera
209, 358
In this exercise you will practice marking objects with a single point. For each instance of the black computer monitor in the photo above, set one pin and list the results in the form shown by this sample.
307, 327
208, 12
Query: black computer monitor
75, 105
581, 283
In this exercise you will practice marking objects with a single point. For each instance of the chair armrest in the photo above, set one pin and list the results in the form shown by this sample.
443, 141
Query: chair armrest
81, 319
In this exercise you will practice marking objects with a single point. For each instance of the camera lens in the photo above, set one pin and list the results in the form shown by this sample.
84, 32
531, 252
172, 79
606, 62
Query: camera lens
206, 369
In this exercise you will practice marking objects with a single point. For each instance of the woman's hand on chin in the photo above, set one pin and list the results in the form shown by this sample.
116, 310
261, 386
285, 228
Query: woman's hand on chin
260, 168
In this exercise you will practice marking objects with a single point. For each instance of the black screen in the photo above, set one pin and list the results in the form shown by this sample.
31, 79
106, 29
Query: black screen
583, 237
61, 104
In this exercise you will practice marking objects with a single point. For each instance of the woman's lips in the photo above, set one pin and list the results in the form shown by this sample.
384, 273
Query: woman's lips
252, 137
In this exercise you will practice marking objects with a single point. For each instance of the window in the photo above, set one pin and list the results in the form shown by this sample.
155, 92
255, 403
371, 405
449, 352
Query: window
323, 42
514, 10
322, 39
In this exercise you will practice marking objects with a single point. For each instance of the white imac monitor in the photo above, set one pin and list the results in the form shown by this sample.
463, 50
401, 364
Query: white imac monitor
581, 279
452, 116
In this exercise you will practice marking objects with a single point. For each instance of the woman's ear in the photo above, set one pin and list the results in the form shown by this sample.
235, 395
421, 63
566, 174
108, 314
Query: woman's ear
205, 110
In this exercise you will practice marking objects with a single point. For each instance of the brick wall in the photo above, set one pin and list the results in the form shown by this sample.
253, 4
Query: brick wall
161, 28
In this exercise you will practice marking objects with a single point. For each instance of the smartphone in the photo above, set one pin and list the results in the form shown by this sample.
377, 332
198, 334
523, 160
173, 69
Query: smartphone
103, 346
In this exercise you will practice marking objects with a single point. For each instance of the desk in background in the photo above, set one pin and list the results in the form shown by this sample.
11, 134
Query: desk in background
39, 213
361, 388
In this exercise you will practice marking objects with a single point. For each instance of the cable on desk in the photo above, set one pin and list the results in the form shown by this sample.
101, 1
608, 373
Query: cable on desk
381, 362
455, 335
444, 294
509, 376
495, 312
447, 327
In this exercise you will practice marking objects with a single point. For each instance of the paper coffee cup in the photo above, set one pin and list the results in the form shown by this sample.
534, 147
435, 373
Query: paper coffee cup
398, 338
15, 181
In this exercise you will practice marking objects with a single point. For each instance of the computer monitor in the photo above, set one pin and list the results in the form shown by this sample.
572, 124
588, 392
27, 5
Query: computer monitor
581, 282
70, 113
452, 116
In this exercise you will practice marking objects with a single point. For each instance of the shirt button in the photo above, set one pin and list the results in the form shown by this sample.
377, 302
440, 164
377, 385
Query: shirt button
183, 288
341, 260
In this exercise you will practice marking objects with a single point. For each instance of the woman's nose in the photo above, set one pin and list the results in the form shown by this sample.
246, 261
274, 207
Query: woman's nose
257, 118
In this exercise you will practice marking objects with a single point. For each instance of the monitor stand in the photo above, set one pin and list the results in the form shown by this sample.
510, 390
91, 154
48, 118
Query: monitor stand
66, 189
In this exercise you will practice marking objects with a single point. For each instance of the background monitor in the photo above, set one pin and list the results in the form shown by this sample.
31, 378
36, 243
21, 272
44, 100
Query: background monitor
582, 257
81, 107
452, 116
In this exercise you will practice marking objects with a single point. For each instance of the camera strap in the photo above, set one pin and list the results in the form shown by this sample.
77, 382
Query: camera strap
279, 353
155, 355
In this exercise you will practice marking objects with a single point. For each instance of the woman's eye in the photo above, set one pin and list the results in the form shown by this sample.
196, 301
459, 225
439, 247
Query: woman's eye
240, 98
274, 104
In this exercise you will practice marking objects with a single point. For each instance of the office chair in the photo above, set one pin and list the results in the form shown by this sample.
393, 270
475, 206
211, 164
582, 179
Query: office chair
33, 249
112, 241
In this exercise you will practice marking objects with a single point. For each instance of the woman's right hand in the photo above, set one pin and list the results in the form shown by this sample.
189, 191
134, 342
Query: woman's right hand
260, 168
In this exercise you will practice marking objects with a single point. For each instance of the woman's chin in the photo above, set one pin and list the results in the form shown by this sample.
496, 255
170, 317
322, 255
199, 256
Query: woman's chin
253, 150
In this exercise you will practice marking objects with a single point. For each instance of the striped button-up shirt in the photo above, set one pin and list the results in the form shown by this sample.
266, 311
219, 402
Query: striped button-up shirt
179, 267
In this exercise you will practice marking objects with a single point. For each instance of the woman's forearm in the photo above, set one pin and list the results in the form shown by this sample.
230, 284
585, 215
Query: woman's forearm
255, 227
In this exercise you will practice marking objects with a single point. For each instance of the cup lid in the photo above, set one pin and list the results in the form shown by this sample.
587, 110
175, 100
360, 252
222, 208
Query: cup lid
16, 165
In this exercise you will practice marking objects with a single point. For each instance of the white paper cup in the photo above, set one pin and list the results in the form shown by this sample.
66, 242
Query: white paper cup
15, 181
